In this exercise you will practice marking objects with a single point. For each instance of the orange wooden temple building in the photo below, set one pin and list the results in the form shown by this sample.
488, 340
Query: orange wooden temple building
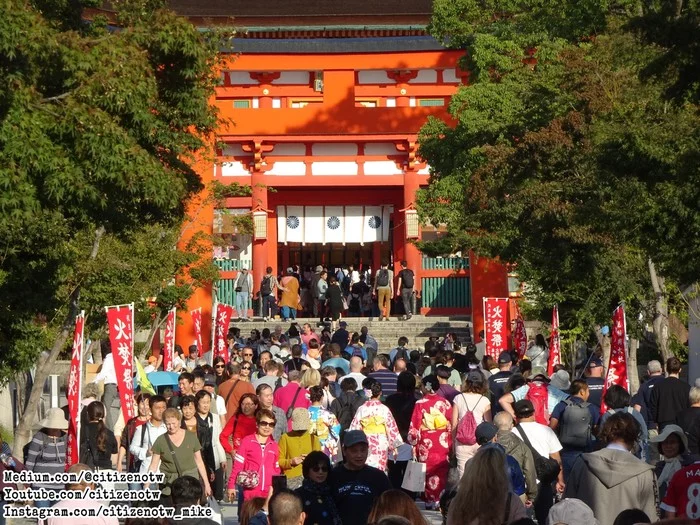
326, 100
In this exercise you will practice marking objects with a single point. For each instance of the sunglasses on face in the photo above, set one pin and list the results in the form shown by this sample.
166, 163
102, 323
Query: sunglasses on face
245, 368
269, 424
220, 366
320, 468
247, 355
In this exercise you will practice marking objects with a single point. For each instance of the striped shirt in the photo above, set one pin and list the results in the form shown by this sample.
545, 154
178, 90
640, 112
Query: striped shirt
47, 455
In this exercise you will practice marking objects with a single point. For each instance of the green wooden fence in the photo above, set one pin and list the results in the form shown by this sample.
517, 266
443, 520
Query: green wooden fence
228, 265
446, 292
445, 263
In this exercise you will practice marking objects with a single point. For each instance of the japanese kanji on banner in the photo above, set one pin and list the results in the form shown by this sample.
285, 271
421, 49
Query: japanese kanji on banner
519, 337
495, 325
617, 367
224, 312
74, 393
169, 341
120, 320
197, 322
554, 343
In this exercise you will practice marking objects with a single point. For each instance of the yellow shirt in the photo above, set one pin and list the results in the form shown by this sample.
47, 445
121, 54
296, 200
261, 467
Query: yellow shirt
293, 444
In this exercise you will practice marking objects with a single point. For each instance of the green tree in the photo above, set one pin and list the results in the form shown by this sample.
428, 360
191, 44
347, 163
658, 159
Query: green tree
99, 129
568, 158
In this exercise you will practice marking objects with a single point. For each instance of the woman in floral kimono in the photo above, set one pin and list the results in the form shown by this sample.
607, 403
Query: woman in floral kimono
430, 434
324, 424
375, 419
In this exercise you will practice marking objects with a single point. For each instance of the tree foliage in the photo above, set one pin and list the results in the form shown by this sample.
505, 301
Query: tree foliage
575, 149
99, 128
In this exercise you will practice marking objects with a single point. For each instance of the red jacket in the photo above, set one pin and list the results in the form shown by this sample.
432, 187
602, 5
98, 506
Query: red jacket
252, 456
246, 426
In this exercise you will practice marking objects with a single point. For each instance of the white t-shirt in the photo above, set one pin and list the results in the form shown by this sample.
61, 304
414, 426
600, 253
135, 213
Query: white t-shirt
220, 406
542, 438
477, 403
357, 377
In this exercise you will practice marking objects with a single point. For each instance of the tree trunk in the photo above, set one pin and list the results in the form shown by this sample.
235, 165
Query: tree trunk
155, 326
632, 370
23, 432
660, 323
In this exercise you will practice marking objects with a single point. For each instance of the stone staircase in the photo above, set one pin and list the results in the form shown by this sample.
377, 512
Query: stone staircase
387, 333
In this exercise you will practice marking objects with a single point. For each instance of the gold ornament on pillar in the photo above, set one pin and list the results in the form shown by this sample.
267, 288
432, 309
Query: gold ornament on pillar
260, 223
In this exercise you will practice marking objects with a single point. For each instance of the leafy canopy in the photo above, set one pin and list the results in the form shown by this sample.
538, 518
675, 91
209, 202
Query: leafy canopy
99, 128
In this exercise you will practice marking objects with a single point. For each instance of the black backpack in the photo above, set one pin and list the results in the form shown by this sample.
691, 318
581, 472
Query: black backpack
383, 278
575, 425
401, 353
407, 278
266, 287
347, 409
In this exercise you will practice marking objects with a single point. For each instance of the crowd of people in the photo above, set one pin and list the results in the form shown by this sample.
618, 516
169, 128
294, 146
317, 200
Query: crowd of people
306, 428
328, 294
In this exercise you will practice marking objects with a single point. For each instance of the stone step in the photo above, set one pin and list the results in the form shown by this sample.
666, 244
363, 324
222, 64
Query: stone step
387, 333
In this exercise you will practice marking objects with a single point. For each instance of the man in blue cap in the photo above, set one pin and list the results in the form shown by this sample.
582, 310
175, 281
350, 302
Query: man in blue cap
354, 484
595, 380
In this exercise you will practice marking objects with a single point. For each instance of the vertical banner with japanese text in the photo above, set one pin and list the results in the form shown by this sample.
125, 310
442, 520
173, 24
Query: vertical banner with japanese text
554, 343
617, 367
520, 338
120, 320
197, 322
75, 381
224, 312
495, 325
169, 341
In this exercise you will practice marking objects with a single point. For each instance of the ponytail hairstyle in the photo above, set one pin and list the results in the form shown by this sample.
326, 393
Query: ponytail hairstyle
96, 412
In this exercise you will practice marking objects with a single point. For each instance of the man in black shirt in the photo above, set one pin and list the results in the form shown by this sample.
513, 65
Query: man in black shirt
341, 336
595, 380
669, 396
354, 484
405, 289
689, 421
642, 402
497, 382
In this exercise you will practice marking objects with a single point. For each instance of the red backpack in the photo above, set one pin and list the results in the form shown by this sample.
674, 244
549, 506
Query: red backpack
538, 395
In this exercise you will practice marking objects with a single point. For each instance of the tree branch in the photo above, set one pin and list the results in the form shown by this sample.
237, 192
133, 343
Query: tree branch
57, 97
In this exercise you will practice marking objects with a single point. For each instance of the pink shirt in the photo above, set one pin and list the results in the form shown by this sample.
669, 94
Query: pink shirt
284, 396
305, 338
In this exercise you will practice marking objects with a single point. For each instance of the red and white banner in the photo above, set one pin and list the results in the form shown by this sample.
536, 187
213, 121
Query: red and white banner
120, 320
224, 312
617, 367
554, 343
520, 338
75, 381
495, 325
197, 322
169, 341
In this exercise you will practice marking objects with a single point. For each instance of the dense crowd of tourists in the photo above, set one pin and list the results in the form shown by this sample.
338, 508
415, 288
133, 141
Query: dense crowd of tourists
300, 427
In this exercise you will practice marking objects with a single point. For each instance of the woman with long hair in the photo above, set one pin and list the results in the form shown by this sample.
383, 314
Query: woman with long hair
474, 400
99, 442
213, 454
395, 502
430, 434
486, 473
315, 491
334, 297
246, 371
240, 425
220, 370
143, 413
375, 418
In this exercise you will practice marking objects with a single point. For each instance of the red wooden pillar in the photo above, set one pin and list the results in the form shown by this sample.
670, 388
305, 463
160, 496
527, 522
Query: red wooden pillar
411, 252
260, 246
489, 278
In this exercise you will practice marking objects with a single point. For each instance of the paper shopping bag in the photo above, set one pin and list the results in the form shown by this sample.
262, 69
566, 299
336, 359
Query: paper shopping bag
414, 478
